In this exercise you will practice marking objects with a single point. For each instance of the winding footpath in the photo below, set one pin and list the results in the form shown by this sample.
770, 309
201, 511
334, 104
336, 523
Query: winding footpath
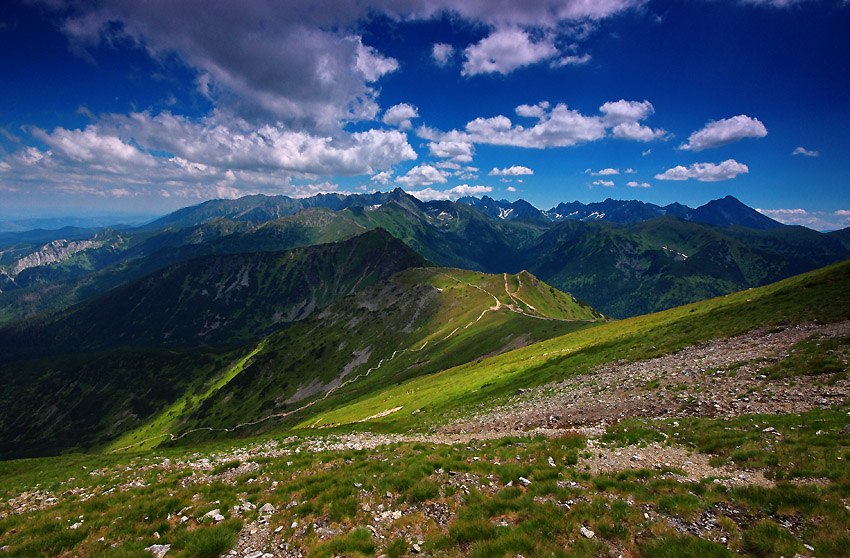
497, 306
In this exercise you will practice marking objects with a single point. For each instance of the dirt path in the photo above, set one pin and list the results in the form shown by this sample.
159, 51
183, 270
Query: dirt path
497, 306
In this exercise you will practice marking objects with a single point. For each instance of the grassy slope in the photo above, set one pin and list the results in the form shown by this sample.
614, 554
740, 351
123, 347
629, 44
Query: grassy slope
820, 295
431, 319
628, 270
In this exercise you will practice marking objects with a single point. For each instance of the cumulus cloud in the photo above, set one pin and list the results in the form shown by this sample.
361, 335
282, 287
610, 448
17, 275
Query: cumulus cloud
160, 153
442, 53
606, 183
722, 132
515, 170
637, 132
511, 189
557, 126
604, 172
635, 184
309, 63
428, 194
806, 152
400, 115
457, 150
91, 146
505, 50
237, 144
705, 172
622, 111
423, 175
382, 178
302, 65
624, 117
818, 220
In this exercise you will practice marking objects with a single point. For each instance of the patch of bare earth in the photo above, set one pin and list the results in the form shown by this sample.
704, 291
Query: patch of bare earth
696, 381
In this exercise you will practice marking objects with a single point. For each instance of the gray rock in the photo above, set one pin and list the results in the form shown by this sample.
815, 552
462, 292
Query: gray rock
267, 509
159, 550
587, 533
524, 481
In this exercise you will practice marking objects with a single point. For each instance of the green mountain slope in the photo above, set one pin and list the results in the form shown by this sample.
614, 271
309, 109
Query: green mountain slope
86, 274
820, 295
419, 322
628, 270
219, 299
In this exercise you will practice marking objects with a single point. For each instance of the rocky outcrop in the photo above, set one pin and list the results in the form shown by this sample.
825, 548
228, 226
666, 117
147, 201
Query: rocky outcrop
55, 251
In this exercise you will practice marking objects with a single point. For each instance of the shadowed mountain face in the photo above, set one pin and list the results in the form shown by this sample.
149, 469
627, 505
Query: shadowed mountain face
417, 322
217, 299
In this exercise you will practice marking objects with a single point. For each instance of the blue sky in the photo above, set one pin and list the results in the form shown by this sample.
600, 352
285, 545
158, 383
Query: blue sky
118, 106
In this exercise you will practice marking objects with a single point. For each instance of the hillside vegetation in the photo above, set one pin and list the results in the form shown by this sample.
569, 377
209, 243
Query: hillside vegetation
766, 475
417, 322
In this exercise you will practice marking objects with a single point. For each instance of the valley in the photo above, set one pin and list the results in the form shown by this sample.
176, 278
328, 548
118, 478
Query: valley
407, 378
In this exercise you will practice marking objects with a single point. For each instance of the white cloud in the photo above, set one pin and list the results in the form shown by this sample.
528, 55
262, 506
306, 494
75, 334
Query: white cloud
637, 132
818, 220
647, 152
606, 183
722, 132
505, 50
557, 126
705, 172
140, 154
571, 60
533, 111
630, 171
511, 189
423, 175
515, 170
806, 152
622, 111
300, 64
442, 53
634, 184
605, 172
234, 143
428, 194
382, 178
372, 64
400, 115
460, 151
91, 146
624, 117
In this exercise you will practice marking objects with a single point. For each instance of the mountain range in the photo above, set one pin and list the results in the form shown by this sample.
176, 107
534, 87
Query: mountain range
304, 373
623, 257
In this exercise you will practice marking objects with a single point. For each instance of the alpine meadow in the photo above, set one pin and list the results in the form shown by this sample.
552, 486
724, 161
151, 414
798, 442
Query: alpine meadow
425, 278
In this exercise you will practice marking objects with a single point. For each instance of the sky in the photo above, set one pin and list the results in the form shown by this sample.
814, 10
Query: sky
143, 107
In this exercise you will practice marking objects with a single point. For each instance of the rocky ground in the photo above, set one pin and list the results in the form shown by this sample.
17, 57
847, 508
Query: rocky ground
721, 378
